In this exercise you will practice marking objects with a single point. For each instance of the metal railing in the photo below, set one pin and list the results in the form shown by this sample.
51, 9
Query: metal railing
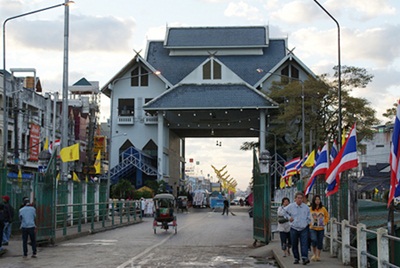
72, 219
345, 239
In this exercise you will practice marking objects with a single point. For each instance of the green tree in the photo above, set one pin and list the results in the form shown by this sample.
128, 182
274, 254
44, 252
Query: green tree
390, 114
320, 109
122, 190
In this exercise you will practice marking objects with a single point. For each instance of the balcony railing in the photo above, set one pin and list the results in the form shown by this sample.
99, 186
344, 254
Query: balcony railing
126, 120
150, 120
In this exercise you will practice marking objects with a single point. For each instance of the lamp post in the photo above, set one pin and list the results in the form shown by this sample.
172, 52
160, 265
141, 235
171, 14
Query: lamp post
339, 77
5, 115
275, 154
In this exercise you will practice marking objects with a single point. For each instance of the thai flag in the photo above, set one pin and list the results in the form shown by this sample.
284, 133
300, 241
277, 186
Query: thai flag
53, 145
394, 158
345, 160
317, 154
334, 151
320, 168
301, 163
290, 167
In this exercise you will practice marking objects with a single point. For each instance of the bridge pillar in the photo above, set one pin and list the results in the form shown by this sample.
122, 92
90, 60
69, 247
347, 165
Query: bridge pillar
345, 242
361, 245
383, 247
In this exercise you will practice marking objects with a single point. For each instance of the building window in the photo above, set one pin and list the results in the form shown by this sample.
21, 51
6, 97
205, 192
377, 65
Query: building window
212, 70
126, 107
139, 77
286, 75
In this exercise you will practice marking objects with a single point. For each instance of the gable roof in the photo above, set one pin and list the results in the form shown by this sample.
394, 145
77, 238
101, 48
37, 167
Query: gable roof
217, 37
210, 96
176, 68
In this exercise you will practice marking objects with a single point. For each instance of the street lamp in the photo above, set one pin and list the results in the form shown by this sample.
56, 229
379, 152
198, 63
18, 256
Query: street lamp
5, 111
339, 77
275, 154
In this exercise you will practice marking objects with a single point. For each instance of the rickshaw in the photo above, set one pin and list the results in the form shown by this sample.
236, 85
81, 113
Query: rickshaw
164, 212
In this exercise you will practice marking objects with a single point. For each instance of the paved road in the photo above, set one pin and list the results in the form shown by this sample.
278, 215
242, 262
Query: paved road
204, 239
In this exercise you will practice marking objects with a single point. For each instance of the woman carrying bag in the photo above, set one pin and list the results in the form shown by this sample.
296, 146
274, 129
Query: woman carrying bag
284, 227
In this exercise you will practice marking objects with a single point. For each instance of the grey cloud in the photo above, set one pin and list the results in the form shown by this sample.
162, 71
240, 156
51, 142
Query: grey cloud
86, 33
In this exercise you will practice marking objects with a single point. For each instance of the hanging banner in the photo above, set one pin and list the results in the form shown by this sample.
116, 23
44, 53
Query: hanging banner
34, 142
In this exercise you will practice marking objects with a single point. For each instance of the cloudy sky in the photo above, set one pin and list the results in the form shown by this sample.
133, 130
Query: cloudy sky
104, 36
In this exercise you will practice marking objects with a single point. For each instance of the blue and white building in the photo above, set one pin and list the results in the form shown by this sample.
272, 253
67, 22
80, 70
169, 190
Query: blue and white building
198, 82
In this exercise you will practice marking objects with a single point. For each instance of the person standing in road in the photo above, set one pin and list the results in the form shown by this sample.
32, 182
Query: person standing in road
299, 218
27, 215
320, 218
8, 217
226, 207
143, 206
284, 227
2, 250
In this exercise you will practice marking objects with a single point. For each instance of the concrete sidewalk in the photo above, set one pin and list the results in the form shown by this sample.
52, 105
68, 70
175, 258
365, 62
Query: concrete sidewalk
326, 260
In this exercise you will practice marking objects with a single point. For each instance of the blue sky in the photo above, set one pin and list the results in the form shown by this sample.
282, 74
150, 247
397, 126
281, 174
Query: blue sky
104, 36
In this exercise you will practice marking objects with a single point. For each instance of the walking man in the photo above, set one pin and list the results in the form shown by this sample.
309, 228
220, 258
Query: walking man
299, 217
27, 215
8, 217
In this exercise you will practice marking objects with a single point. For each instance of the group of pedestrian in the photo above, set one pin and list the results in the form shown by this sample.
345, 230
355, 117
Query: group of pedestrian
27, 216
299, 223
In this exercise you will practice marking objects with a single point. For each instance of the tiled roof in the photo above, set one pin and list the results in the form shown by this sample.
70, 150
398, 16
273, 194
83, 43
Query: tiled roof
212, 37
208, 96
175, 68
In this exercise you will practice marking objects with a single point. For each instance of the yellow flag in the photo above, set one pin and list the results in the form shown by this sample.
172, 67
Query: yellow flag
376, 191
282, 183
19, 178
75, 177
70, 153
97, 163
289, 181
310, 161
58, 177
46, 145
343, 137
86, 179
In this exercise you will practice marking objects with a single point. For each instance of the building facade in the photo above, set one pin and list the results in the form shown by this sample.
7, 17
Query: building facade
198, 82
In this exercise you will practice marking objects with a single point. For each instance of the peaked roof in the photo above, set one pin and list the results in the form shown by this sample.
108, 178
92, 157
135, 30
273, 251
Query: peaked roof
210, 96
245, 66
82, 82
214, 37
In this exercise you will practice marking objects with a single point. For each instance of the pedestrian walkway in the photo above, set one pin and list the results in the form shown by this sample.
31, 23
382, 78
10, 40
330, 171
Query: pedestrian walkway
326, 260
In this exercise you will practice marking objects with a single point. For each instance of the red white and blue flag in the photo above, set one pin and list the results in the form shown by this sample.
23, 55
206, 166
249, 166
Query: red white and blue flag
345, 160
317, 154
320, 168
394, 158
290, 167
334, 151
53, 145
301, 163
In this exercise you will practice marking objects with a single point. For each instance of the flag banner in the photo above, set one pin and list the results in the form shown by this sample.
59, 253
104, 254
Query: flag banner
300, 163
70, 153
58, 177
310, 161
290, 167
54, 145
394, 158
46, 145
97, 163
19, 179
75, 177
320, 168
317, 154
345, 160
334, 151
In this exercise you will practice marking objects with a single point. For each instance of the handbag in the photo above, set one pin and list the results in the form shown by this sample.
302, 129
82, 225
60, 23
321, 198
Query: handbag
282, 219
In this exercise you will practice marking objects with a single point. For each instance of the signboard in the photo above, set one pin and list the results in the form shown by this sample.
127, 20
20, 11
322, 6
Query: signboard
100, 143
34, 142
